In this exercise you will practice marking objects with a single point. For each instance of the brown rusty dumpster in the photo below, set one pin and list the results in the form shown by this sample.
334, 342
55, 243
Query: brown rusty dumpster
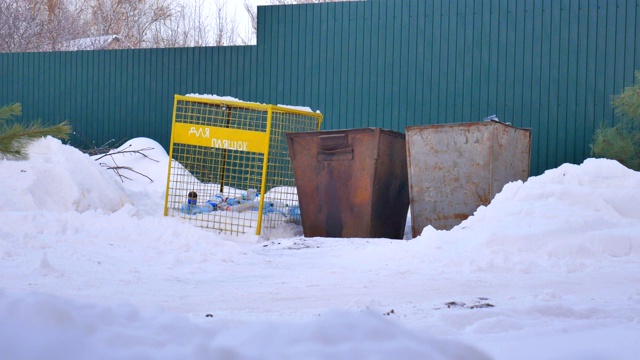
351, 183
456, 168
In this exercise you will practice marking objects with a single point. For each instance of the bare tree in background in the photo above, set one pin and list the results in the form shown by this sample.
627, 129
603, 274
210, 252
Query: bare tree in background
20, 28
46, 25
252, 11
63, 24
133, 20
226, 26
37, 25
186, 27
193, 24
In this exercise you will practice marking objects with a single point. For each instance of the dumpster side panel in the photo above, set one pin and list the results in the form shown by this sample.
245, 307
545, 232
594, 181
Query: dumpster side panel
301, 148
391, 186
511, 155
449, 173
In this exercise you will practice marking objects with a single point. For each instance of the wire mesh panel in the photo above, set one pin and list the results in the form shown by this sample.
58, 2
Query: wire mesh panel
229, 167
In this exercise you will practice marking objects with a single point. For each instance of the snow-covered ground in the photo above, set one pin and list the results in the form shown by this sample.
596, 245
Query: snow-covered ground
91, 269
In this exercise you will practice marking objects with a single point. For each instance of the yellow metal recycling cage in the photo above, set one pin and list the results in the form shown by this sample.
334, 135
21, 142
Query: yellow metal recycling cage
229, 167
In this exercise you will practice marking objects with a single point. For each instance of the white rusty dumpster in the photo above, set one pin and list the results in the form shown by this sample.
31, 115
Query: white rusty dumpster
456, 168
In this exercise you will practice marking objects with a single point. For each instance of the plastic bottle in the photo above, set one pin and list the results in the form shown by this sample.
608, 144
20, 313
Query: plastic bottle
251, 194
245, 206
206, 208
213, 204
190, 207
192, 198
220, 202
293, 213
270, 208
197, 209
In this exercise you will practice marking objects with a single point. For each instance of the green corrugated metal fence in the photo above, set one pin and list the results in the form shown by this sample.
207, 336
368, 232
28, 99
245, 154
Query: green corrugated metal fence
121, 94
550, 65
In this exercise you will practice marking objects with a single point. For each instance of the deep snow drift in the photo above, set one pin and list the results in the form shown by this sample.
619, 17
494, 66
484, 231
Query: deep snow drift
91, 269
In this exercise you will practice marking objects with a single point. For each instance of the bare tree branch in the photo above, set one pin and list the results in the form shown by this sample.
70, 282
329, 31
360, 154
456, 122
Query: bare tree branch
121, 152
118, 168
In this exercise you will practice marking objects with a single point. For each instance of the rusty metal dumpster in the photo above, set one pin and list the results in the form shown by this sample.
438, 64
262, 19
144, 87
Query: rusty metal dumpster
351, 183
456, 168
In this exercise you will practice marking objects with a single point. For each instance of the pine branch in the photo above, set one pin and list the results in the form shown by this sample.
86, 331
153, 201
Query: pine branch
9, 112
15, 138
627, 104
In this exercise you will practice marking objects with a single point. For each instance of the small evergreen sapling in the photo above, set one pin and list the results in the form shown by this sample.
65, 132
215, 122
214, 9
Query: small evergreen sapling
622, 141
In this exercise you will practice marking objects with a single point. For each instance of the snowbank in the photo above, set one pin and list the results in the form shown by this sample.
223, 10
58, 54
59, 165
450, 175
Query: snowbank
89, 267
58, 178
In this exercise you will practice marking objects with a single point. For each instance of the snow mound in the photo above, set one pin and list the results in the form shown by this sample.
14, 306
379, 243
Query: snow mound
58, 178
569, 213
554, 223
147, 160
602, 191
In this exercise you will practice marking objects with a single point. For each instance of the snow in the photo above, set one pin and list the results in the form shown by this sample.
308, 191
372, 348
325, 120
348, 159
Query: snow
95, 43
230, 98
90, 268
